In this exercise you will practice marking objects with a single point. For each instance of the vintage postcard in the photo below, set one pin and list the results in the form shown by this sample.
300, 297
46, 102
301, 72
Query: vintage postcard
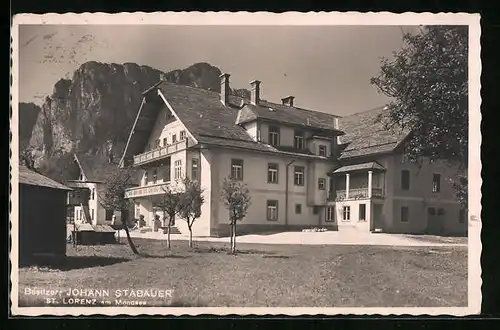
245, 163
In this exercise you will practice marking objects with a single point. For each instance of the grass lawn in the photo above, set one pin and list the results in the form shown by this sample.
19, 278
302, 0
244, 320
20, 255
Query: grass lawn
263, 275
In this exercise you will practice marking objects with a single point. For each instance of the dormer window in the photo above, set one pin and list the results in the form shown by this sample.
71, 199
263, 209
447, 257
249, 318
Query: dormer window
165, 142
322, 150
182, 135
157, 143
155, 176
174, 138
299, 139
274, 136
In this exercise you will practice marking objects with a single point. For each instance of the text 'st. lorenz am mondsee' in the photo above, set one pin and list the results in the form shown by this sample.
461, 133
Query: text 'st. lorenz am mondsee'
93, 296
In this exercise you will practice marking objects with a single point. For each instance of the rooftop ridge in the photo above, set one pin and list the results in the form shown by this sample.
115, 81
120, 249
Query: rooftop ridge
381, 107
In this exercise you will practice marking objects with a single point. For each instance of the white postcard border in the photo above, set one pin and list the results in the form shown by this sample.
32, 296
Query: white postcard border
266, 18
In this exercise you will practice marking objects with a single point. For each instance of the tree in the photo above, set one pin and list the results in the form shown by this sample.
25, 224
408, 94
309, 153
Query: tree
27, 158
170, 205
191, 200
427, 81
114, 199
237, 199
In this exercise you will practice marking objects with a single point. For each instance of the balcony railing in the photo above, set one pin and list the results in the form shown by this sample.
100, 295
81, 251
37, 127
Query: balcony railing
156, 189
160, 152
355, 193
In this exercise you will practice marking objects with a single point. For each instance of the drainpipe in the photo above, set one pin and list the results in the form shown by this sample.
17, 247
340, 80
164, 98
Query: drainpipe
286, 191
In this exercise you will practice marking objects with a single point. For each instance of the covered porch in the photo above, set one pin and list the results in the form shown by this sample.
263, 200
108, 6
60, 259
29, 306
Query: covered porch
357, 181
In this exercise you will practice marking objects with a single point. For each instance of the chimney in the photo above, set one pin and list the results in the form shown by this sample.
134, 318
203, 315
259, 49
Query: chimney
224, 88
255, 92
288, 101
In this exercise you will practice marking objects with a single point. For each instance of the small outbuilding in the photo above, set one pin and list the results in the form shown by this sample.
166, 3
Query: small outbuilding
42, 216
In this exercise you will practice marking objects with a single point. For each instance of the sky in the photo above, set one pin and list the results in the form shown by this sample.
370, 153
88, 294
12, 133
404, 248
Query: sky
326, 68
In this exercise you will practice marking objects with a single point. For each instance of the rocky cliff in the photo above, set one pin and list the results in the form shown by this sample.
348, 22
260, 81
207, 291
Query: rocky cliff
99, 104
28, 114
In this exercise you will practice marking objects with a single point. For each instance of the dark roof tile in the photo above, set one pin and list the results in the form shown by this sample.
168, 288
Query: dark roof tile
366, 134
32, 178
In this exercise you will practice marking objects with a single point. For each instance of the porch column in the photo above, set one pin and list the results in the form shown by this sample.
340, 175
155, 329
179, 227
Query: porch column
370, 184
347, 186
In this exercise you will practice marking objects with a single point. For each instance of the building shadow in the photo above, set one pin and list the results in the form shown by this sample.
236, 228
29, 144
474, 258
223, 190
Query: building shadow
162, 256
65, 263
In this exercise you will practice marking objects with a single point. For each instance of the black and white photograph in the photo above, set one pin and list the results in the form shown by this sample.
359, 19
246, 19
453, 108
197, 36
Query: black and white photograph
245, 163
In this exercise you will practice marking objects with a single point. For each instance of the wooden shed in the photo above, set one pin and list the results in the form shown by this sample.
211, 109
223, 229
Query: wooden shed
42, 216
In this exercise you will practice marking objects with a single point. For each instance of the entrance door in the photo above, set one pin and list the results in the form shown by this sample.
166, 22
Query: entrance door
435, 220
376, 218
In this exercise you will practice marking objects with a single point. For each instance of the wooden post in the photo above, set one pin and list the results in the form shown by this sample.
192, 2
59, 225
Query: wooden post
347, 186
370, 184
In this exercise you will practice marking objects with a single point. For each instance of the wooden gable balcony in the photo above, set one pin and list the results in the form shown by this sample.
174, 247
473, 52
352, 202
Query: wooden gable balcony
160, 153
358, 181
149, 190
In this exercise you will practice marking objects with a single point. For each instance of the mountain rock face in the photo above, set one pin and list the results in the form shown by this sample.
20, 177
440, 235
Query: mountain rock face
28, 114
99, 104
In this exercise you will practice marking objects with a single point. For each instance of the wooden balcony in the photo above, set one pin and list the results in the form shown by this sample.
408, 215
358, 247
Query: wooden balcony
156, 189
159, 153
355, 193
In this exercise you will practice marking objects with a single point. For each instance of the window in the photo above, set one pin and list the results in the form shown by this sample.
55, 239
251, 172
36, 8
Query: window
440, 211
315, 209
237, 169
462, 215
157, 143
272, 173
405, 214
272, 210
405, 180
77, 215
330, 214
436, 183
93, 194
174, 138
91, 214
165, 142
182, 136
298, 208
274, 136
194, 169
149, 147
322, 150
321, 184
109, 214
346, 213
145, 177
166, 173
431, 211
299, 140
362, 212
137, 211
155, 175
177, 169
298, 177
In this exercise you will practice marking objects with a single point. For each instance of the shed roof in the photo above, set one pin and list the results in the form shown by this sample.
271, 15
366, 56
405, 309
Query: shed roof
32, 178
359, 167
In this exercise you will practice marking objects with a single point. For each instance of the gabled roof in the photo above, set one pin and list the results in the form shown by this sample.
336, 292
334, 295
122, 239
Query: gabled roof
359, 167
209, 121
32, 178
366, 134
97, 168
288, 114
